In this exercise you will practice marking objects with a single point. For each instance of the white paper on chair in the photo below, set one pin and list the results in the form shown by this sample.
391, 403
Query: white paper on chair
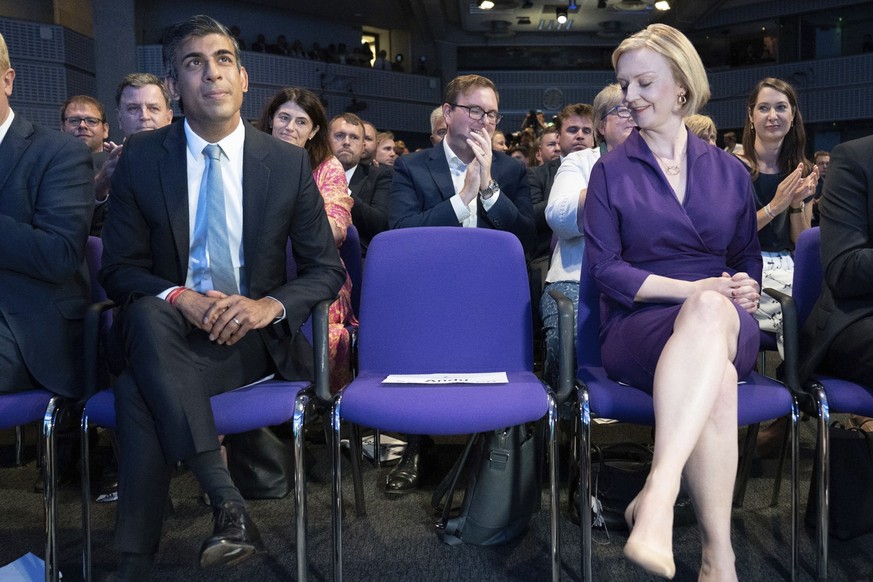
462, 378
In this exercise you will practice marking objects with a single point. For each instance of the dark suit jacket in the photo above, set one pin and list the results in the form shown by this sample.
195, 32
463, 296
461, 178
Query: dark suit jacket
371, 188
541, 179
422, 188
846, 251
146, 236
46, 201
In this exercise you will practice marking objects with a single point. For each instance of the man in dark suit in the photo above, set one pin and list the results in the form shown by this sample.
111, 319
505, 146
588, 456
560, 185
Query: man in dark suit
46, 201
838, 335
204, 314
461, 181
369, 185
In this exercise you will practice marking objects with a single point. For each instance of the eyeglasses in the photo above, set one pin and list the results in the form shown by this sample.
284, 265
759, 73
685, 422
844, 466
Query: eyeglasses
620, 110
476, 113
89, 121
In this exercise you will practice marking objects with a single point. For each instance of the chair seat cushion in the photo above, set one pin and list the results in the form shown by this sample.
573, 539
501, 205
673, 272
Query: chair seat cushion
445, 409
759, 399
23, 407
266, 403
846, 396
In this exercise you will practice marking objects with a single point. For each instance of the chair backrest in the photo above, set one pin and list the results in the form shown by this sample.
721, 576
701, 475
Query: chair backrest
588, 321
445, 299
808, 272
350, 252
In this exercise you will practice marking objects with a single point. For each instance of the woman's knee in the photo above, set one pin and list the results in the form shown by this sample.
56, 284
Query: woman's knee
710, 310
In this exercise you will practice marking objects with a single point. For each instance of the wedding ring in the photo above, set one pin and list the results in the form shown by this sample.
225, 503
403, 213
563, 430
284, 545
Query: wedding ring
236, 321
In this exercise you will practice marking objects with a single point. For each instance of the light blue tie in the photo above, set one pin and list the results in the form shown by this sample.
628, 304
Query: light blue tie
210, 231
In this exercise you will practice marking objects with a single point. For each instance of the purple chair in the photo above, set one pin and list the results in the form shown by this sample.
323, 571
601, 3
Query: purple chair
443, 299
266, 403
827, 393
759, 399
19, 408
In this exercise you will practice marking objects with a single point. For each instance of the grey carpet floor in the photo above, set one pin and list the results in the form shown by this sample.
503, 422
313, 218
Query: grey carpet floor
396, 540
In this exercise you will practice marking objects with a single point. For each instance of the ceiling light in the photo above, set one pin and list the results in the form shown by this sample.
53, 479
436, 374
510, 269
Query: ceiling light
562, 15
486, 4
662, 5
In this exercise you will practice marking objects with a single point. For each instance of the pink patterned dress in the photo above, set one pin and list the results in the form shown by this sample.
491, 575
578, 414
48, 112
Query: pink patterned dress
331, 181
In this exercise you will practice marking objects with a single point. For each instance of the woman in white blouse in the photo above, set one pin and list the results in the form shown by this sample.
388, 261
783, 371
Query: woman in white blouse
566, 200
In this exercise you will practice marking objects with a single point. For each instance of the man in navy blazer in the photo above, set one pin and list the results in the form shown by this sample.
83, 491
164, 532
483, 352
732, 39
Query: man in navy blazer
838, 334
461, 181
184, 339
369, 185
46, 201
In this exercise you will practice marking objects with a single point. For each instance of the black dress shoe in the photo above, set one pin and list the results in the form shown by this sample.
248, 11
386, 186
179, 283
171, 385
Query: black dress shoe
235, 537
404, 476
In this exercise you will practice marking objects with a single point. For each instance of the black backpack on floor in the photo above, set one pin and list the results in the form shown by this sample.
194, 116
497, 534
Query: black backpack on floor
502, 488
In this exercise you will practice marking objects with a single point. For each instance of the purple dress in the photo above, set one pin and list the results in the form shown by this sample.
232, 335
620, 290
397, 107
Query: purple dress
635, 226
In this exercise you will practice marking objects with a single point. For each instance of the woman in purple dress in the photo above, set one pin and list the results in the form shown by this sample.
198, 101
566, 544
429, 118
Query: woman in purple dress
671, 242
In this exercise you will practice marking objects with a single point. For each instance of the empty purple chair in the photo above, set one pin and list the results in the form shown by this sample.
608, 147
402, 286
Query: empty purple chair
759, 399
828, 394
444, 300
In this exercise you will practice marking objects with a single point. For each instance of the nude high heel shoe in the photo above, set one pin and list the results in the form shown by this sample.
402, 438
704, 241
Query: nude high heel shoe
642, 555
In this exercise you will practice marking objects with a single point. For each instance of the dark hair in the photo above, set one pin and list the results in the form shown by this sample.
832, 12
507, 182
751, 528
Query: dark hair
139, 80
791, 152
196, 26
318, 147
578, 109
83, 99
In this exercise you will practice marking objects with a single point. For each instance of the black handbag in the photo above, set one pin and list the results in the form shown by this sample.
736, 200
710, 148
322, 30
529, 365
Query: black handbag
618, 474
851, 483
260, 464
502, 488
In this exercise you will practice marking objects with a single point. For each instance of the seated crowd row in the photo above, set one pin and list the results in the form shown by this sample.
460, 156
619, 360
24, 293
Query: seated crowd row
680, 236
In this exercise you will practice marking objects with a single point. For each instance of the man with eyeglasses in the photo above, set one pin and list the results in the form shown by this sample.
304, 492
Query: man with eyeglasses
462, 182
83, 117
369, 185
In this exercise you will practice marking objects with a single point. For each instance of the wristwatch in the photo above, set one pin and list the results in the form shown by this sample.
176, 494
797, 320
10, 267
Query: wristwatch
492, 189
796, 210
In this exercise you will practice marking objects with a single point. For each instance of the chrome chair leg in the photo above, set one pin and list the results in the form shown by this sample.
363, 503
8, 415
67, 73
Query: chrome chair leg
554, 492
86, 502
50, 489
19, 444
823, 501
301, 403
585, 481
337, 507
795, 522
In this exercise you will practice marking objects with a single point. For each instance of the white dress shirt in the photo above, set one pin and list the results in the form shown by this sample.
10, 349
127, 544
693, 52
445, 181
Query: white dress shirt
4, 127
562, 213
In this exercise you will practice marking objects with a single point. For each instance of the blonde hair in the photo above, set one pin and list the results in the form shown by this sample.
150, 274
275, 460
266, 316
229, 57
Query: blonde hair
685, 63
604, 102
4, 56
701, 125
